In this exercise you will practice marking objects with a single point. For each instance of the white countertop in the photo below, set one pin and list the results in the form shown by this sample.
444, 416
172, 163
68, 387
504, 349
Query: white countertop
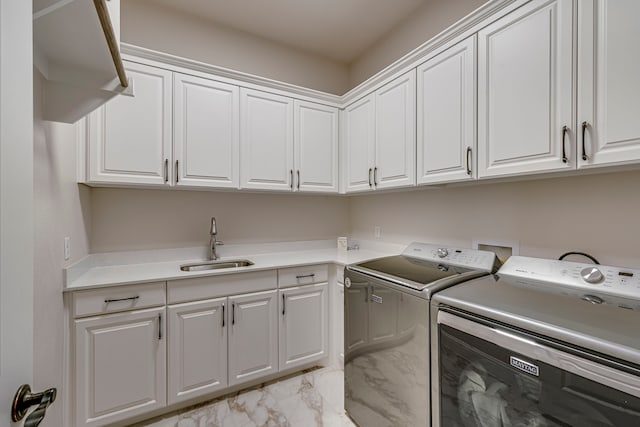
123, 268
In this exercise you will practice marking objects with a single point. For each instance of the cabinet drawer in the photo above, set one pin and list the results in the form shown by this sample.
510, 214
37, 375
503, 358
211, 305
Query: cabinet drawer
219, 286
120, 298
305, 275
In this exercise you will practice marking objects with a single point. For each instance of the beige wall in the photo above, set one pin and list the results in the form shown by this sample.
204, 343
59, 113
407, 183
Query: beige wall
430, 19
168, 31
61, 208
597, 214
150, 219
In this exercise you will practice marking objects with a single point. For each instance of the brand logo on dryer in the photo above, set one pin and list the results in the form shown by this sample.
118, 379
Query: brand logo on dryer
527, 367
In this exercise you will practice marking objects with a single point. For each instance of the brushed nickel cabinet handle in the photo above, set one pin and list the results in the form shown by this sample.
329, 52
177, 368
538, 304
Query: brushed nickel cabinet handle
223, 315
177, 174
565, 129
107, 301
375, 176
159, 326
233, 314
283, 304
291, 178
166, 170
302, 276
469, 161
298, 172
370, 184
584, 148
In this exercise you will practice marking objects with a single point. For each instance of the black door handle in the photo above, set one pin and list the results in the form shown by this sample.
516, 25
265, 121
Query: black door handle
24, 399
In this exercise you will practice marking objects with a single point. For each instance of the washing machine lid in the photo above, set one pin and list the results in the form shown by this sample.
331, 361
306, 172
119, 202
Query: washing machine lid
424, 265
414, 270
546, 307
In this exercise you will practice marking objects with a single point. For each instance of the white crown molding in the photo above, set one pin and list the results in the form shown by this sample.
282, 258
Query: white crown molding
460, 30
465, 27
135, 53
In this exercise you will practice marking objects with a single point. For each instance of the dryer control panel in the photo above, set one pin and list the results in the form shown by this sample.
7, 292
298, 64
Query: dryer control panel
594, 283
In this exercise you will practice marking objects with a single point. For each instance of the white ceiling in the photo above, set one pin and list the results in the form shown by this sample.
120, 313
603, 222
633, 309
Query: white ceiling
337, 29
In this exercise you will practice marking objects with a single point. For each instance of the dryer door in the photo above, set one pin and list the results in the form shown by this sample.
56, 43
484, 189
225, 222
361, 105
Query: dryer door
488, 375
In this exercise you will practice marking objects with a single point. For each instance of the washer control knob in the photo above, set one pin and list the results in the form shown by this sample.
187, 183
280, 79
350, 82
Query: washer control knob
593, 299
347, 282
591, 275
442, 252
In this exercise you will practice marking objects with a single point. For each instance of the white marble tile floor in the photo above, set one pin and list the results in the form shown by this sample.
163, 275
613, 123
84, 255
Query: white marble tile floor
311, 398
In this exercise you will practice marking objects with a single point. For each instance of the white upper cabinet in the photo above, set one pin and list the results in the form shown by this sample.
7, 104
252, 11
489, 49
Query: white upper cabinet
446, 107
379, 137
358, 133
316, 147
395, 133
608, 83
525, 91
207, 133
266, 141
130, 137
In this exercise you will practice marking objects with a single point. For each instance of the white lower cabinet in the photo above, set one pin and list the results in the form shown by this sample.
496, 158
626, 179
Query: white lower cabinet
303, 325
142, 347
120, 366
253, 336
197, 340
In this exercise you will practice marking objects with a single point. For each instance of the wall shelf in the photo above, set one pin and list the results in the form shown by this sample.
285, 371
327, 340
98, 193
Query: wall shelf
72, 52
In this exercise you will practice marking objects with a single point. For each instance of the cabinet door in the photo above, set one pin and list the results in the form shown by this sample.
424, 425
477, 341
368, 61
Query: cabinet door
120, 366
316, 147
129, 138
303, 325
608, 84
358, 139
207, 133
253, 337
197, 349
525, 91
395, 133
446, 115
266, 141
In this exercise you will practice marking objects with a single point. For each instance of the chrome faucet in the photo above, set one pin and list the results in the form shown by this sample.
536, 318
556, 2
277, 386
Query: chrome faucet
213, 242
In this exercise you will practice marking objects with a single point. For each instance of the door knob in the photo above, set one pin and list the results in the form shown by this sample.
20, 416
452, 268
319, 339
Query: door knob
24, 399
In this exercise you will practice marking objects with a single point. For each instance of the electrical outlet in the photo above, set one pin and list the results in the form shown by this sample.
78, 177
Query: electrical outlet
67, 248
376, 231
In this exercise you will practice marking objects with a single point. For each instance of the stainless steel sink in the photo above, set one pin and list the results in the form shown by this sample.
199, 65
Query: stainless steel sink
215, 265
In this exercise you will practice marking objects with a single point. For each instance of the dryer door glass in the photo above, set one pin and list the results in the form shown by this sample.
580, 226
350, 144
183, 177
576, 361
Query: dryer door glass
484, 383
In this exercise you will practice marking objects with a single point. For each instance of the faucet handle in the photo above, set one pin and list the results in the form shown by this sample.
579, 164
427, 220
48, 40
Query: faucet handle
214, 228
219, 243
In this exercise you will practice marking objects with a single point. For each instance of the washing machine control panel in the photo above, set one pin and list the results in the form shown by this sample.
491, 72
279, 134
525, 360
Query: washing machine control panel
594, 283
461, 257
